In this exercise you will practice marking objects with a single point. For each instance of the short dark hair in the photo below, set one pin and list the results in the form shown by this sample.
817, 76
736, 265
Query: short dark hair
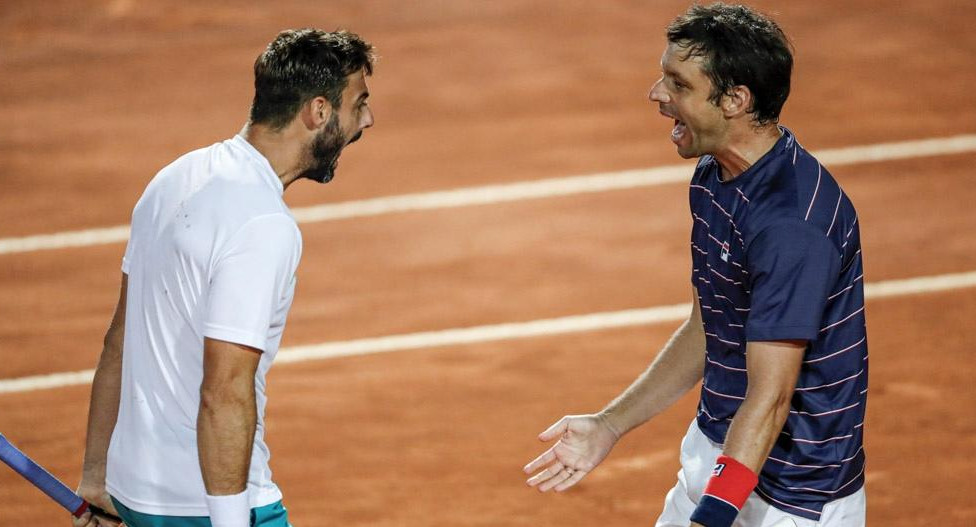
300, 64
739, 47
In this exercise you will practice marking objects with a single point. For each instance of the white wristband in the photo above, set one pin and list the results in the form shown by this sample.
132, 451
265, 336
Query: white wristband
229, 511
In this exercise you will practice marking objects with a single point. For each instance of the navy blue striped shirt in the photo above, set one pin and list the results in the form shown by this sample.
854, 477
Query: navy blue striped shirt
776, 255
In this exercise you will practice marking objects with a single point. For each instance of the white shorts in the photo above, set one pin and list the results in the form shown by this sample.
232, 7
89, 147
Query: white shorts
698, 455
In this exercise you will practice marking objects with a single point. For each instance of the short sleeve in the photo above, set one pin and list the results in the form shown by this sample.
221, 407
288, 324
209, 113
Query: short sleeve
130, 245
792, 266
251, 277
127, 257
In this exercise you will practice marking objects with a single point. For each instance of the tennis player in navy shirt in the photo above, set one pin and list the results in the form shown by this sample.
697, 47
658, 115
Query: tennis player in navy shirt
777, 331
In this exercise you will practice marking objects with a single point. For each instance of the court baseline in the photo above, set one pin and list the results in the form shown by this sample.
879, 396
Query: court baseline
514, 330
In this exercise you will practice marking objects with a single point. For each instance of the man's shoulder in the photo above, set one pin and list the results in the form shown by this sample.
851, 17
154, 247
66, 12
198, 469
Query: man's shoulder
212, 188
820, 199
169, 178
230, 181
189, 160
794, 185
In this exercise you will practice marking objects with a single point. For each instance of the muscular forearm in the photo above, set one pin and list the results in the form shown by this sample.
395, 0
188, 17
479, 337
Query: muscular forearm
675, 371
225, 436
754, 430
773, 368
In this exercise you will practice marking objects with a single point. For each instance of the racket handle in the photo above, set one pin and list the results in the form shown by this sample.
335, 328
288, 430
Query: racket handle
40, 478
50, 485
98, 511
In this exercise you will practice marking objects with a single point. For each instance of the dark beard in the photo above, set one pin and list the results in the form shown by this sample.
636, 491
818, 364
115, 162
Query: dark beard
325, 150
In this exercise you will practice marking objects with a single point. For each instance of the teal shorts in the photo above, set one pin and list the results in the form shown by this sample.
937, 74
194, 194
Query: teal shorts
274, 515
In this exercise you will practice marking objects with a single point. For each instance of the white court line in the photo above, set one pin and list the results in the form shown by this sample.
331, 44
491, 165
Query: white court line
515, 330
680, 173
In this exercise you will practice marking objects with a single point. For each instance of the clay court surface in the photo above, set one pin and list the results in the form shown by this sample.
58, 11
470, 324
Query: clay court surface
96, 96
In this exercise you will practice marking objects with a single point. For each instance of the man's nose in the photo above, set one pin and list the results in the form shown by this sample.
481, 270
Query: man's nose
658, 93
367, 119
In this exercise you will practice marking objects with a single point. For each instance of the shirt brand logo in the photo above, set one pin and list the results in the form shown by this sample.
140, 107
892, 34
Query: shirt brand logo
725, 252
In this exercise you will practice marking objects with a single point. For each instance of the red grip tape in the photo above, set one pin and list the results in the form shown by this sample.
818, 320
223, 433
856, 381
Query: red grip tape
81, 510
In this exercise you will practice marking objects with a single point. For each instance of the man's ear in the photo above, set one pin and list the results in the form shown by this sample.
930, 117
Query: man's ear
737, 102
316, 112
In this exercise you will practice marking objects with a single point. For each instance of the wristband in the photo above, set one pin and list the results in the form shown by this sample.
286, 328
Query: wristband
229, 511
726, 493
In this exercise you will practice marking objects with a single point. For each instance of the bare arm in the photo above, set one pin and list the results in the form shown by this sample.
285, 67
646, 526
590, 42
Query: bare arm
585, 440
227, 417
103, 407
773, 368
676, 369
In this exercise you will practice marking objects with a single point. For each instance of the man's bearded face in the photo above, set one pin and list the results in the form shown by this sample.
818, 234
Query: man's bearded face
325, 150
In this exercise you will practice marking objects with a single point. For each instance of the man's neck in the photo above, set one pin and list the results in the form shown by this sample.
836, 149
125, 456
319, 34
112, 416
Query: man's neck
281, 148
745, 148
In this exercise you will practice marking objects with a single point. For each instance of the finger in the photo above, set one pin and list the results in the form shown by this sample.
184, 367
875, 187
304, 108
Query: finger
545, 475
108, 522
83, 521
556, 430
570, 481
560, 477
544, 459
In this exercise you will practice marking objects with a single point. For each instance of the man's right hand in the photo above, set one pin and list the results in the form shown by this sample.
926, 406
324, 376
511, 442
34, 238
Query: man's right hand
97, 496
584, 440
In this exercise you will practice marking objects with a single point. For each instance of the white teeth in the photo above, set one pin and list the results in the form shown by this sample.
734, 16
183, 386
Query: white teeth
678, 131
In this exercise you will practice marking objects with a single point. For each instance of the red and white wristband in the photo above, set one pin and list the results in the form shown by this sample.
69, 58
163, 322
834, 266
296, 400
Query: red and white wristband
726, 493
229, 511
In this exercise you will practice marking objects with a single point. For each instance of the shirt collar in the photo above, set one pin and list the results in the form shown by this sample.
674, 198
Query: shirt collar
262, 163
784, 143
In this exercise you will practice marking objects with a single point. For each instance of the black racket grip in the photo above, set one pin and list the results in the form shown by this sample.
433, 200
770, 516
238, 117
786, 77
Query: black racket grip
98, 511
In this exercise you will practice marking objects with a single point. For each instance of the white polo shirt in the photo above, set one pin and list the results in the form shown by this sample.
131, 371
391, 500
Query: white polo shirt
212, 253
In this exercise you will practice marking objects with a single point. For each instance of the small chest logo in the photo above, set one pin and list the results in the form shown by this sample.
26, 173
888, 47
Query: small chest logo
725, 252
717, 471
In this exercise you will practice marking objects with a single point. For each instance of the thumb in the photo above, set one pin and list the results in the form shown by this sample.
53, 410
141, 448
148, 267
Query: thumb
79, 521
556, 430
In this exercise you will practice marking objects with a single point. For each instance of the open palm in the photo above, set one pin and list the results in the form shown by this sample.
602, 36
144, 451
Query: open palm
584, 441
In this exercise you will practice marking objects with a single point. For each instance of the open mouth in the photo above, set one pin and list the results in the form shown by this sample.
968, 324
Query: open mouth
679, 131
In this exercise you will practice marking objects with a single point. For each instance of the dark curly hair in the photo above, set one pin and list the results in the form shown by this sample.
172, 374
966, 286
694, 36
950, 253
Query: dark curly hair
739, 47
300, 64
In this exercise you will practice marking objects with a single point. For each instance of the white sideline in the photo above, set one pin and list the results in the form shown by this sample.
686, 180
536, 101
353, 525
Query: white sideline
483, 195
489, 333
